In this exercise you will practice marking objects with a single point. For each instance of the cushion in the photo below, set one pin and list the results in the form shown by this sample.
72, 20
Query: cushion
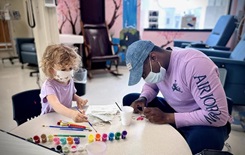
29, 47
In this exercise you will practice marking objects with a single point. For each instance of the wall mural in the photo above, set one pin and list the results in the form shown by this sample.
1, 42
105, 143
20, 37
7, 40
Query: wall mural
114, 11
68, 12
168, 38
130, 13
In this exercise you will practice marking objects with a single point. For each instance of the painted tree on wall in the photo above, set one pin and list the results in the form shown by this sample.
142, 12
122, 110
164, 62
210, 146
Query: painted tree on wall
69, 16
115, 14
169, 37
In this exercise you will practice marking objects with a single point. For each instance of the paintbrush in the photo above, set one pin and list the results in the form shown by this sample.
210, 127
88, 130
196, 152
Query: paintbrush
88, 121
118, 106
64, 127
73, 129
52, 126
61, 135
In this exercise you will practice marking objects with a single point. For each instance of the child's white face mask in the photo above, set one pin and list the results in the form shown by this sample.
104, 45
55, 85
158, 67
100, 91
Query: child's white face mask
63, 76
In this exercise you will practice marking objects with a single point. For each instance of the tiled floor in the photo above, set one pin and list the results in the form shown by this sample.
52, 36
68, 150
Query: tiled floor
102, 89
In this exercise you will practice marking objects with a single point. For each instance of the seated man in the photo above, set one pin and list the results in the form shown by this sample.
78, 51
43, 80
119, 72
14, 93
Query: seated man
194, 100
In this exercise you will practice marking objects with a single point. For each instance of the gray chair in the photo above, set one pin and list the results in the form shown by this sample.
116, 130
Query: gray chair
219, 36
234, 63
26, 50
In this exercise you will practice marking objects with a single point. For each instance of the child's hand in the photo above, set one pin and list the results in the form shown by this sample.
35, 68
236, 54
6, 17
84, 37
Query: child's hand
81, 103
79, 117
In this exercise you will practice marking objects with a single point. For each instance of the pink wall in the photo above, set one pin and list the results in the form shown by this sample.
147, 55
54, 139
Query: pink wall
69, 10
157, 37
109, 11
162, 38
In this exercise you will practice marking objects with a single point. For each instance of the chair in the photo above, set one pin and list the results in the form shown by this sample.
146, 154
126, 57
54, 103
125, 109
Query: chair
26, 50
219, 36
230, 107
234, 63
99, 52
26, 105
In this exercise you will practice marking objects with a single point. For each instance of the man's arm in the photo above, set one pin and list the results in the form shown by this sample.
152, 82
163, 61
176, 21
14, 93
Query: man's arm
203, 79
149, 92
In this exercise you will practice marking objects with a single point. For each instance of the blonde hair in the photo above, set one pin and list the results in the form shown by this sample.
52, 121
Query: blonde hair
59, 54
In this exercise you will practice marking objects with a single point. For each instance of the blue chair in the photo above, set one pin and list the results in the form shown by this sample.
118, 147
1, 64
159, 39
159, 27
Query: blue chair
219, 36
234, 63
26, 50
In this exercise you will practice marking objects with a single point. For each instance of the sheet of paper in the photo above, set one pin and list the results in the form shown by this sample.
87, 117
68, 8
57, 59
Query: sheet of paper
103, 113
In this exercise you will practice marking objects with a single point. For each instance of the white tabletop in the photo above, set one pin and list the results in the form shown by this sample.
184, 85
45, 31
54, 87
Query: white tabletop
143, 138
10, 145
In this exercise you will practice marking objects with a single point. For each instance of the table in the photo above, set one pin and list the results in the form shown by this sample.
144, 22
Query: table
143, 138
10, 144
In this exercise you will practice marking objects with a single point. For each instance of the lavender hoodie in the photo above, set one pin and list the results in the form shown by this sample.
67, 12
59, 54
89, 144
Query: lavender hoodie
193, 89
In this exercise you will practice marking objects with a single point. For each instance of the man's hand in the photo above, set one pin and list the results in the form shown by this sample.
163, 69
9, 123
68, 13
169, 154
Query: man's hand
155, 115
139, 105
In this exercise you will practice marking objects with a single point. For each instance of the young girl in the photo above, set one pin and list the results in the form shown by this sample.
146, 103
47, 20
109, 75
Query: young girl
58, 91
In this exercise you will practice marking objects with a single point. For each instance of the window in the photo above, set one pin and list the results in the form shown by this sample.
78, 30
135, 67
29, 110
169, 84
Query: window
182, 14
153, 19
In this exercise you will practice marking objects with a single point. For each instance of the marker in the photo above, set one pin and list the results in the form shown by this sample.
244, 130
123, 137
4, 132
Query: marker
60, 135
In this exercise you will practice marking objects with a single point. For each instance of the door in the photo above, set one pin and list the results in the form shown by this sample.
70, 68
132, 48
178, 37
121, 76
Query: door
5, 40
